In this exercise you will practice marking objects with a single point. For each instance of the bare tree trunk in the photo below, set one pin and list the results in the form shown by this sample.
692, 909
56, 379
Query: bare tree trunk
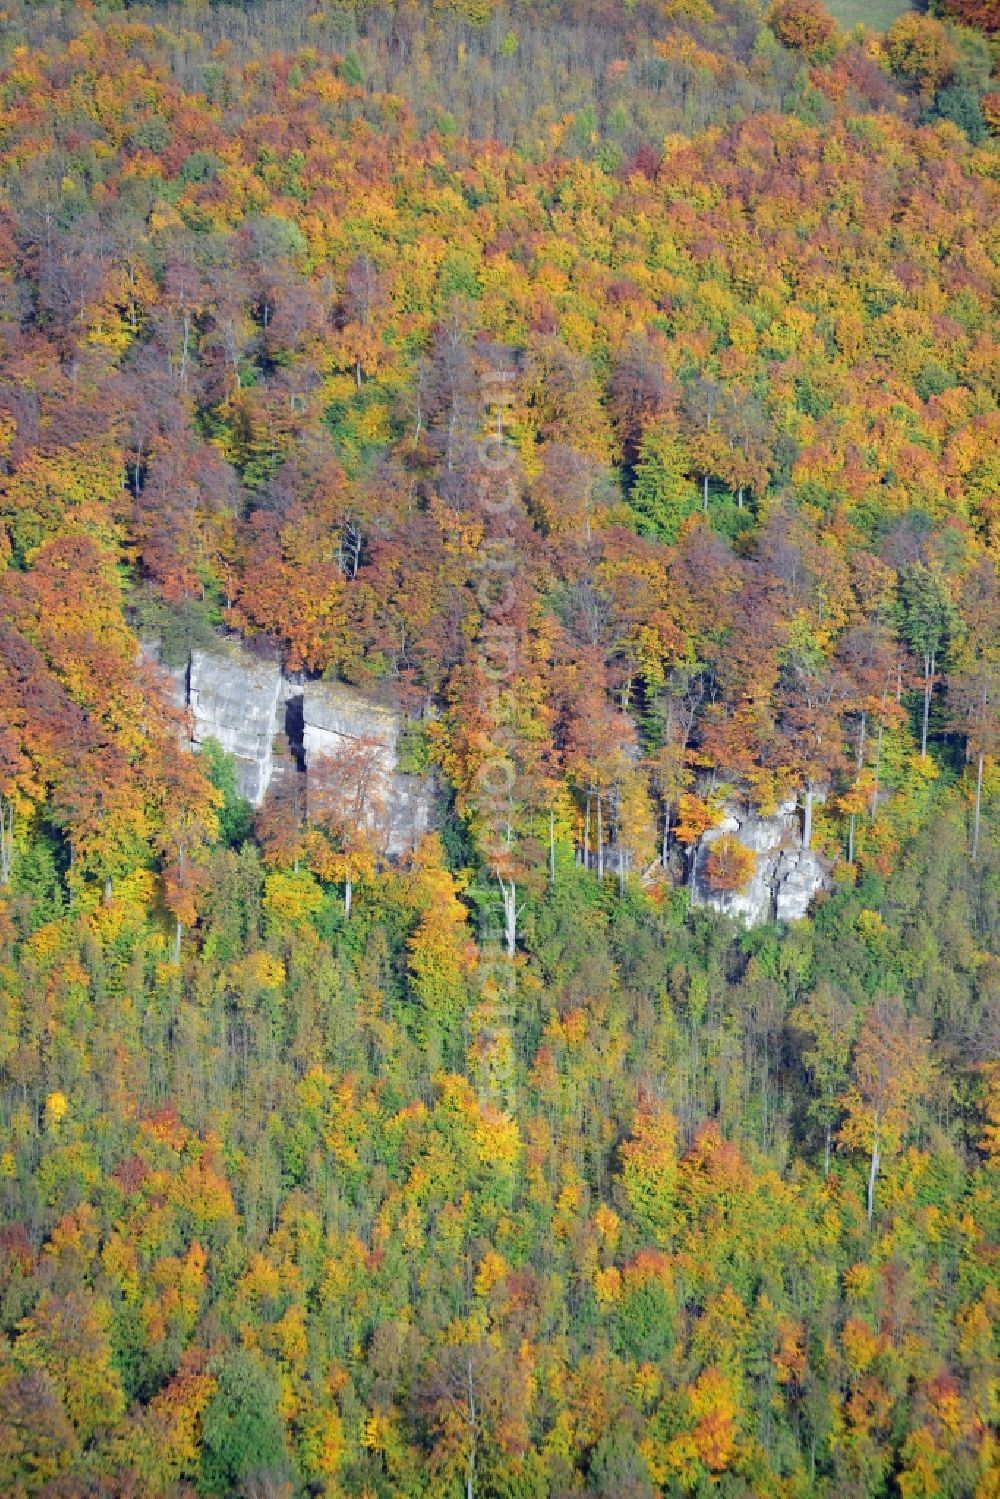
600, 840
586, 836
872, 1174
508, 892
878, 761
704, 483
929, 669
470, 1477
178, 929
552, 848
826, 1149
807, 821
6, 839
348, 896
979, 808
185, 348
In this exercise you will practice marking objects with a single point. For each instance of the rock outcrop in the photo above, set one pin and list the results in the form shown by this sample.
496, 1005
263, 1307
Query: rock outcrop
786, 876
799, 877
173, 678
234, 699
336, 717
274, 724
334, 714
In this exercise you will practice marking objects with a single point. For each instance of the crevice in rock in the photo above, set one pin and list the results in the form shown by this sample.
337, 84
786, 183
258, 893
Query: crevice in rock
295, 729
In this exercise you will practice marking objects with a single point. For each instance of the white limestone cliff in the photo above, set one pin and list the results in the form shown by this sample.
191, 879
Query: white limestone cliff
274, 724
234, 699
786, 877
335, 716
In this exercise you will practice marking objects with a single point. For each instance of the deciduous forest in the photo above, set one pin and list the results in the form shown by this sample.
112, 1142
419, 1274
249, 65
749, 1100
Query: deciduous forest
612, 387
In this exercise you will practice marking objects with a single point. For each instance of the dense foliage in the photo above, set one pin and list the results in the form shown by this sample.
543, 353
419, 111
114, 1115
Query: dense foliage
617, 388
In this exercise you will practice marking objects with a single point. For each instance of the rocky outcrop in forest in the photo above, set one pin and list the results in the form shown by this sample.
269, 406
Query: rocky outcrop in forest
273, 724
786, 877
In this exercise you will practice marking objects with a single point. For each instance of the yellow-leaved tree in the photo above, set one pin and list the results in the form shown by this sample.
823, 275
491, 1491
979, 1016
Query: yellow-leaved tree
890, 1075
649, 1169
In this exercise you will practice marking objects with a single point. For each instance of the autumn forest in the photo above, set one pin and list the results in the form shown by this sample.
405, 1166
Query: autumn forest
605, 396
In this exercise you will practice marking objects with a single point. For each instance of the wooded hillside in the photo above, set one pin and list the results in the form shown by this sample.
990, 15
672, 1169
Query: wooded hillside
614, 389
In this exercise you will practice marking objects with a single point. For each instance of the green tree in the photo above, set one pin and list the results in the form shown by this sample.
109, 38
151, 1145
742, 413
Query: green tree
235, 814
827, 1022
662, 495
960, 105
242, 1434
